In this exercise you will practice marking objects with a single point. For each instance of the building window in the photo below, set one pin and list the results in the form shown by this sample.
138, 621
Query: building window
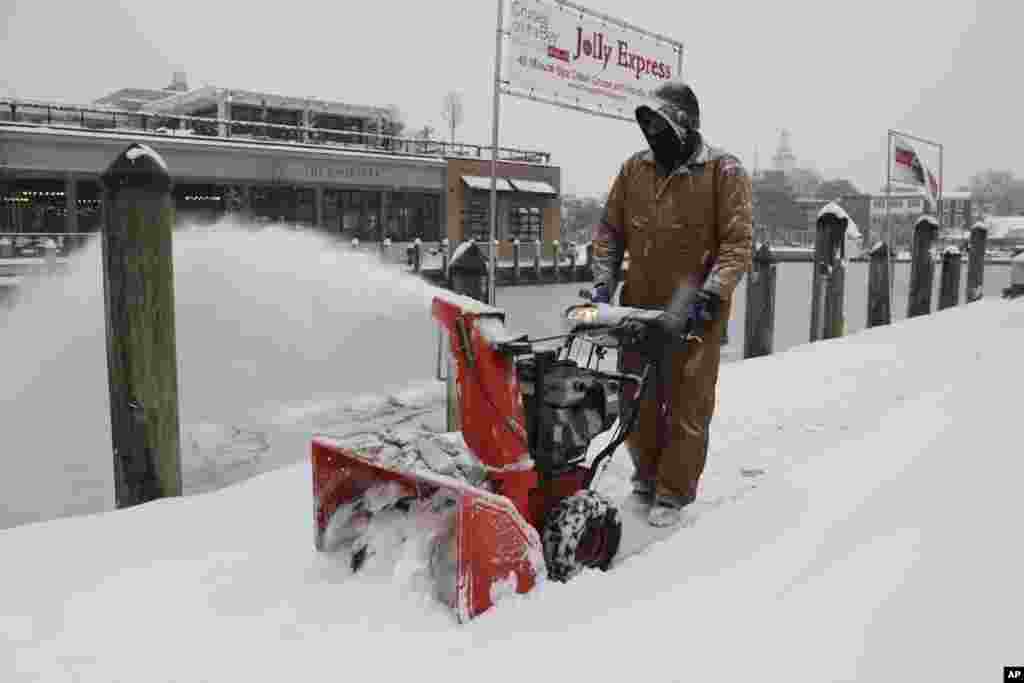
476, 220
895, 203
413, 215
879, 203
915, 203
526, 224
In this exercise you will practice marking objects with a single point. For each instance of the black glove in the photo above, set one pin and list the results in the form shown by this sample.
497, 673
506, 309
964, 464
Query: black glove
705, 308
633, 331
600, 294
672, 325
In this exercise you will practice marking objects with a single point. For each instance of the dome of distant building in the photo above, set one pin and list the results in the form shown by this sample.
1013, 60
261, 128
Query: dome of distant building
784, 160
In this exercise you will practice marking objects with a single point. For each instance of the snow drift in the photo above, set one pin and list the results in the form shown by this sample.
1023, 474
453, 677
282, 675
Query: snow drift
858, 522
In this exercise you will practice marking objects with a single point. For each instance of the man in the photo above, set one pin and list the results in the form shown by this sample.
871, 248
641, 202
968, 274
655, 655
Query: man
683, 211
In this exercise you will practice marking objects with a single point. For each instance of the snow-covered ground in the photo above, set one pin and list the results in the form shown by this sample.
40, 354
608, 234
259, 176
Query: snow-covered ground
858, 519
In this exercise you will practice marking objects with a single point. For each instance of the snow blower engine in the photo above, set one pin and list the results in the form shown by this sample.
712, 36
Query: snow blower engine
509, 501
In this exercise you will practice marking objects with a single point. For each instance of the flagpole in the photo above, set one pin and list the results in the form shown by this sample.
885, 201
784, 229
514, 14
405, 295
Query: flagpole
939, 200
888, 223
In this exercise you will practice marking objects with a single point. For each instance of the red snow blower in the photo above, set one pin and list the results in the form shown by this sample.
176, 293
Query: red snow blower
509, 501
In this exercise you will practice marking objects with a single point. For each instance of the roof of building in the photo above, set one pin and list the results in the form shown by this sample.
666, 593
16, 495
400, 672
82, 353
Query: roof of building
210, 95
323, 151
133, 98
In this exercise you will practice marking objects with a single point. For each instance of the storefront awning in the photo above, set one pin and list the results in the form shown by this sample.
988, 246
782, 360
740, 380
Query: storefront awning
478, 182
534, 186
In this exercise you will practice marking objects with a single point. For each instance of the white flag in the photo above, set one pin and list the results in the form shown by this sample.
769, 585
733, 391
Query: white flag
908, 168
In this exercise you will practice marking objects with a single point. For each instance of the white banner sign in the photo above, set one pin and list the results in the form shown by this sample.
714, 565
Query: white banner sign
559, 53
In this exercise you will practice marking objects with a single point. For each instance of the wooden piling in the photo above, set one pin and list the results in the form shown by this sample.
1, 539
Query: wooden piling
759, 330
516, 273
828, 277
922, 268
879, 296
949, 285
976, 264
138, 281
417, 255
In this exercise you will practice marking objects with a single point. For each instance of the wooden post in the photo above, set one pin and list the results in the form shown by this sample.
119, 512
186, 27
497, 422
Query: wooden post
556, 250
949, 287
445, 245
922, 268
879, 303
828, 278
760, 323
417, 255
515, 261
50, 255
468, 276
537, 272
835, 318
976, 264
495, 251
139, 304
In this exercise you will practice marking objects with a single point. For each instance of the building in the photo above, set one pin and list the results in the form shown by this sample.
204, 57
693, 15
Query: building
856, 206
959, 212
784, 160
1004, 232
267, 157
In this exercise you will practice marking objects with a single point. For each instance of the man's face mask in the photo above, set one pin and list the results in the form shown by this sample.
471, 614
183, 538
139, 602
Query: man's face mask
667, 142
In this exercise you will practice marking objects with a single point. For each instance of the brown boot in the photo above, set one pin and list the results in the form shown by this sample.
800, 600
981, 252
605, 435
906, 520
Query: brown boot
668, 511
644, 489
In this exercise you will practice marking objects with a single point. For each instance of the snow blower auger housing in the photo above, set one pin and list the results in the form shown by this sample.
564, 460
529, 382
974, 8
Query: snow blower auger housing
511, 502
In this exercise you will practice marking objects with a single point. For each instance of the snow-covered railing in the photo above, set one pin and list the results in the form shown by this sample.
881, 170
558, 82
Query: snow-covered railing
99, 119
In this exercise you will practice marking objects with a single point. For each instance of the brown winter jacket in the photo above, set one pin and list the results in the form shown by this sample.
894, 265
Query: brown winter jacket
695, 225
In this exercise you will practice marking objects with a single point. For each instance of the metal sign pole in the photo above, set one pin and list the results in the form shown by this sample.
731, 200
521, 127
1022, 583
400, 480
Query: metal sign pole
493, 249
888, 223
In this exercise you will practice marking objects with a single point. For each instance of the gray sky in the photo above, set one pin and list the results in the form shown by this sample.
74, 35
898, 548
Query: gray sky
838, 75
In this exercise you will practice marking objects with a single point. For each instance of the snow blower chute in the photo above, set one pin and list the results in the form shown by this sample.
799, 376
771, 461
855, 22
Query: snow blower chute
508, 502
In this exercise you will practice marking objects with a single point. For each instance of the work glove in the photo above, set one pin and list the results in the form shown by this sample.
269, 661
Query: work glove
672, 325
705, 308
600, 294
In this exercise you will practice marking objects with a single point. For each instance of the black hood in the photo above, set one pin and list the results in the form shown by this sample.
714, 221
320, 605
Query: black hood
675, 105
673, 145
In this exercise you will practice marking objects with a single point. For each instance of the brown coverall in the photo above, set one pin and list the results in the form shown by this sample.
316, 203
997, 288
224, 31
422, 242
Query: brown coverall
694, 226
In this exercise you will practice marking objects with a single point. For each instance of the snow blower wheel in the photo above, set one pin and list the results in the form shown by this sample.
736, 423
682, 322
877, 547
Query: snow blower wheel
581, 531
